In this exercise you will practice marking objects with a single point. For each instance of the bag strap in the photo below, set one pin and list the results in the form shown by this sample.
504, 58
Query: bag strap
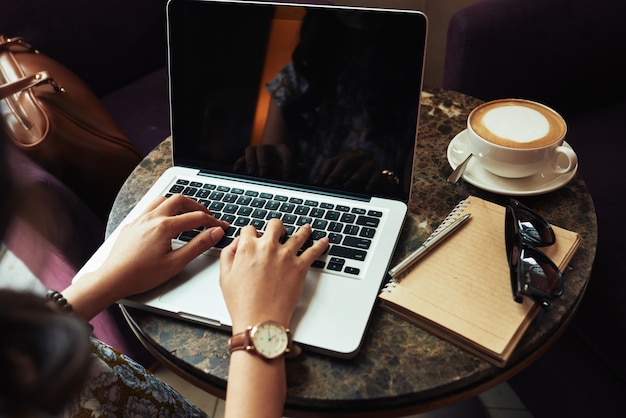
42, 77
7, 43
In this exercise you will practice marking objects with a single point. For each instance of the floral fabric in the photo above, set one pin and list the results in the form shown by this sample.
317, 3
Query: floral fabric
120, 387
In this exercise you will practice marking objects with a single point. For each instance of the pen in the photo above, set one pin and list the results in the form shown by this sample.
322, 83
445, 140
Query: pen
428, 245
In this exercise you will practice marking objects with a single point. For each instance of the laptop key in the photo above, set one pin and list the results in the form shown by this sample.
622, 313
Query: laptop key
224, 242
347, 252
367, 232
336, 264
348, 218
335, 238
272, 205
231, 208
244, 200
216, 195
258, 224
357, 242
368, 221
188, 235
190, 191
375, 213
230, 198
351, 230
335, 227
215, 206
303, 220
242, 221
203, 193
287, 207
316, 234
352, 270
319, 264
317, 213
319, 224
244, 211
259, 213
176, 188
302, 210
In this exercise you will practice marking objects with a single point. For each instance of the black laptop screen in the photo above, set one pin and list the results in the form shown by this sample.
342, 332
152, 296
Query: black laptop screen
317, 97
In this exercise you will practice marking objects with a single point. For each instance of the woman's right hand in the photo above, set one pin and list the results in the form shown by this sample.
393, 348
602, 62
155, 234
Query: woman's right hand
261, 278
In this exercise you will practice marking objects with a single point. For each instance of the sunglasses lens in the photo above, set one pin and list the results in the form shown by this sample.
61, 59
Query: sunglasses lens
539, 275
533, 228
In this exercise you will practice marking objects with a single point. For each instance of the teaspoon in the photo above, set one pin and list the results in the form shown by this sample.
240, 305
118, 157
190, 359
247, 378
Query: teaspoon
459, 170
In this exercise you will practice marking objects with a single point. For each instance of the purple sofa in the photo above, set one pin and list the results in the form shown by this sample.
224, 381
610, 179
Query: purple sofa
566, 54
119, 48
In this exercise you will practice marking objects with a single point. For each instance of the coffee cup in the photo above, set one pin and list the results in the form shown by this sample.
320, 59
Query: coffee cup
517, 138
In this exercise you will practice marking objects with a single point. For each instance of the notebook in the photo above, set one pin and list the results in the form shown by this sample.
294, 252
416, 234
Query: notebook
461, 291
327, 99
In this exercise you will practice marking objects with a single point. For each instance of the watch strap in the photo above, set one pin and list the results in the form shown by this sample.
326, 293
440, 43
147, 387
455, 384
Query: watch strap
241, 341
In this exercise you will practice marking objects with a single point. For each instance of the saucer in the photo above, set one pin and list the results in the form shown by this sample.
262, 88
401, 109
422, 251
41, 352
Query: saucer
540, 183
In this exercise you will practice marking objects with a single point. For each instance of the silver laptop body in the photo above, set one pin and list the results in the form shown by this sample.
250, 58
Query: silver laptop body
347, 81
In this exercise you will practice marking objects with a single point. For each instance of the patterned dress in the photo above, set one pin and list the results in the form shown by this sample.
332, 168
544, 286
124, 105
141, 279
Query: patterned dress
120, 387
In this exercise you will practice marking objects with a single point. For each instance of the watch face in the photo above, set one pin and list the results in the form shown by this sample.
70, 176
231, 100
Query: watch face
270, 339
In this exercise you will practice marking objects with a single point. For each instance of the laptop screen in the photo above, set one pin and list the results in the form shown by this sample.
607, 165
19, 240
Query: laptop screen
320, 98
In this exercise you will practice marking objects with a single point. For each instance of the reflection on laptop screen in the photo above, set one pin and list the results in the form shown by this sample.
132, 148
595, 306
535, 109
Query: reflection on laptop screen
320, 97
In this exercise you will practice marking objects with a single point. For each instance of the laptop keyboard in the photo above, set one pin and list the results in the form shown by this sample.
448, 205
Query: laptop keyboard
350, 229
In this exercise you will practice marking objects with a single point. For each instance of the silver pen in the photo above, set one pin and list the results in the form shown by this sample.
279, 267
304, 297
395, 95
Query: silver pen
428, 245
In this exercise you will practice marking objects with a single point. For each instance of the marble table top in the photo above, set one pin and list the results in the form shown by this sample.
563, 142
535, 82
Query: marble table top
400, 368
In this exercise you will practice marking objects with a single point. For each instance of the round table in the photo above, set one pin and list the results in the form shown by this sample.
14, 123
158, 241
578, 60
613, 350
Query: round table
401, 369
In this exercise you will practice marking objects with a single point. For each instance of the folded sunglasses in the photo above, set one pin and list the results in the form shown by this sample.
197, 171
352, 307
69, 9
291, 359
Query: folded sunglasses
533, 274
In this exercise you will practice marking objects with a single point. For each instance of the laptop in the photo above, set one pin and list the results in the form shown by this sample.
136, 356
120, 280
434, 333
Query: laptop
302, 112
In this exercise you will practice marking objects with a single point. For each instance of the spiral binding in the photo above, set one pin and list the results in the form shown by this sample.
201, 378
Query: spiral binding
454, 214
452, 217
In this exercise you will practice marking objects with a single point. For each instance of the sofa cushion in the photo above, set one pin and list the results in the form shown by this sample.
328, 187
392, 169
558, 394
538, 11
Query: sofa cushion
53, 233
141, 109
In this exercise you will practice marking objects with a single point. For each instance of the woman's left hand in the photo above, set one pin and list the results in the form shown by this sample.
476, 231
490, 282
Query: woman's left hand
142, 257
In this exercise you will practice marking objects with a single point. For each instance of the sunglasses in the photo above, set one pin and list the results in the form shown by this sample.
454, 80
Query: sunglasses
533, 274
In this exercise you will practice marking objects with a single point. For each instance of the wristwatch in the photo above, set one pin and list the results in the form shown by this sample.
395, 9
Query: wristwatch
268, 339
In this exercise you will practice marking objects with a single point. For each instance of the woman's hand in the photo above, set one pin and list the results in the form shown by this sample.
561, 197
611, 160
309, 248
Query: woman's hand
142, 257
261, 278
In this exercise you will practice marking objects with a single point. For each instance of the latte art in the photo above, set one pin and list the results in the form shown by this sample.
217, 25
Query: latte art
517, 124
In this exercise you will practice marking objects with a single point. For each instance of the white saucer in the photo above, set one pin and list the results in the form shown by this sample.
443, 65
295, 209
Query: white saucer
474, 174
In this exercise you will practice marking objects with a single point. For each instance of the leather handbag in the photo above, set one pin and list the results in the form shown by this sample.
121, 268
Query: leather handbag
54, 117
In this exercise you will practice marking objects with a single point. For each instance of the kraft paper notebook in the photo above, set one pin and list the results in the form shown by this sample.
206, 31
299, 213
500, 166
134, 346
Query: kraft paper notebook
461, 291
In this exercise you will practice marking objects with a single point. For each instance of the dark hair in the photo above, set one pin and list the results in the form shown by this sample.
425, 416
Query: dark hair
44, 355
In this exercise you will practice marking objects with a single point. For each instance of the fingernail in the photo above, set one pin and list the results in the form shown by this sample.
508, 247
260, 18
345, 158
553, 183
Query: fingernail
217, 233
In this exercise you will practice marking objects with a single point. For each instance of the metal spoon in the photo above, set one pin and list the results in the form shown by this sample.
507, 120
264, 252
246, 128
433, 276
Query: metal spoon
459, 170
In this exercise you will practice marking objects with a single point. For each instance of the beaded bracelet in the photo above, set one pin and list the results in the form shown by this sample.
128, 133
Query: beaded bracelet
59, 300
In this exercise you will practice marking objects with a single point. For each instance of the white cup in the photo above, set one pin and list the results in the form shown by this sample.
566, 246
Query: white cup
518, 138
